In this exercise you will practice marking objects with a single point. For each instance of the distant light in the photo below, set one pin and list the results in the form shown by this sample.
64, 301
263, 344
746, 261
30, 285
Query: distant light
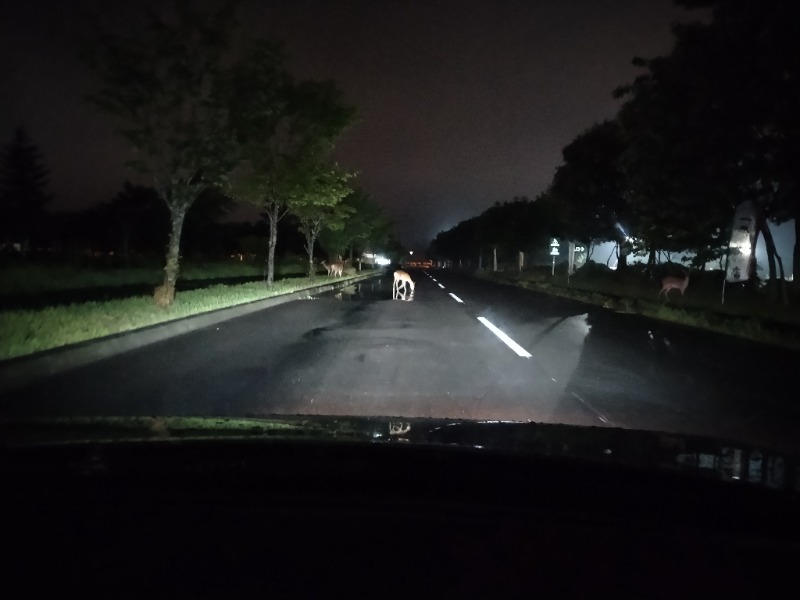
742, 247
382, 260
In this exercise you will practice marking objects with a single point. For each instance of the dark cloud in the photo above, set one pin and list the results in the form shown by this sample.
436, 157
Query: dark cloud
461, 103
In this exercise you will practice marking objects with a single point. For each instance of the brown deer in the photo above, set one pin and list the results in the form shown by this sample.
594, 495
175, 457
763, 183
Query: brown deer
336, 269
673, 283
401, 278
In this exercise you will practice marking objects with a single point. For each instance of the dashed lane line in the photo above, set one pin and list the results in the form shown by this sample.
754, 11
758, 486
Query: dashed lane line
520, 351
592, 409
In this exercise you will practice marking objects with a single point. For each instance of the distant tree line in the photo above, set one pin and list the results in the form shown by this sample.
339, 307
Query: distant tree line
709, 126
498, 234
23, 193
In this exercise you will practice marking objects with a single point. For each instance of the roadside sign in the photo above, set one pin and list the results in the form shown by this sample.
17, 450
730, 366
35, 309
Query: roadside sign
742, 243
553, 252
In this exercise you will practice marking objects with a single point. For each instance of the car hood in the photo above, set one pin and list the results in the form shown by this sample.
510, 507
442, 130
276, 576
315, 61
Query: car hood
691, 455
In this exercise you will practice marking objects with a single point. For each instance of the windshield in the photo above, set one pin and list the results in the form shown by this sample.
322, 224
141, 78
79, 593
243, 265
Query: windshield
577, 213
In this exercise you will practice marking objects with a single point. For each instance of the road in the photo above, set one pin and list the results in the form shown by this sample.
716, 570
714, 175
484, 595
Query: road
359, 351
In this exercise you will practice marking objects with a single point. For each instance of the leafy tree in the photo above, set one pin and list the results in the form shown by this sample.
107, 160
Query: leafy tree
715, 123
522, 225
23, 181
163, 85
317, 203
284, 128
460, 244
590, 186
366, 228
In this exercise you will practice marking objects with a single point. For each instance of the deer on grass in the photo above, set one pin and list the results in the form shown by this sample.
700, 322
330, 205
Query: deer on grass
673, 283
336, 269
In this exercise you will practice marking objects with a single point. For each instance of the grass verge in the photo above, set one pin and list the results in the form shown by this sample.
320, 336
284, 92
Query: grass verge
33, 278
779, 326
24, 332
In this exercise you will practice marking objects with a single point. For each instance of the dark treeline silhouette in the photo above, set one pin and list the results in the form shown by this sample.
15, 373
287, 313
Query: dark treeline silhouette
702, 130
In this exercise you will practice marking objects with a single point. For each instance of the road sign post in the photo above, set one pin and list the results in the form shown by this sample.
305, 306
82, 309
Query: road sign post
553, 252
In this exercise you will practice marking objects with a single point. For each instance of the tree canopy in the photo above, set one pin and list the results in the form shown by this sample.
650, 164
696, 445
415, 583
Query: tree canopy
163, 84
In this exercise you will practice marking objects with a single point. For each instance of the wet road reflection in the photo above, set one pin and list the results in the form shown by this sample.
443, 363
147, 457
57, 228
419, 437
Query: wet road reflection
379, 288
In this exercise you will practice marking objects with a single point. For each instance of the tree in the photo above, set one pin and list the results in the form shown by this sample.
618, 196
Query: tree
458, 244
715, 123
23, 181
590, 186
317, 203
283, 128
366, 228
163, 85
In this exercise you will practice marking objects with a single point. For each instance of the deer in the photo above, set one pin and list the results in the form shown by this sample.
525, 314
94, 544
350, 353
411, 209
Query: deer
670, 283
336, 269
401, 278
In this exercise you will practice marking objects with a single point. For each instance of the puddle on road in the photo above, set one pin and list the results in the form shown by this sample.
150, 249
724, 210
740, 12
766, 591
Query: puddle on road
380, 289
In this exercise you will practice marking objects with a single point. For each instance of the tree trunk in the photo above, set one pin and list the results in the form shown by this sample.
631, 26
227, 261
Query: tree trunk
164, 294
796, 254
126, 249
273, 216
494, 258
310, 239
777, 283
311, 270
622, 258
764, 229
651, 261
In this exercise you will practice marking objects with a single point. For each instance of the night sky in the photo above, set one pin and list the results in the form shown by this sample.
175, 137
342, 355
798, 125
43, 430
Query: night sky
461, 103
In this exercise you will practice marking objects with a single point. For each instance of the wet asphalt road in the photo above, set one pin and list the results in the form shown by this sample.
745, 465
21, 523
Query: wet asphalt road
361, 352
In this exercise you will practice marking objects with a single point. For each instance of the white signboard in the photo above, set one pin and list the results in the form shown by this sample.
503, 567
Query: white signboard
742, 244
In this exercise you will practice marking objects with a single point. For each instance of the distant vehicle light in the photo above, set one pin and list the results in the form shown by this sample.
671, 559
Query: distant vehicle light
382, 261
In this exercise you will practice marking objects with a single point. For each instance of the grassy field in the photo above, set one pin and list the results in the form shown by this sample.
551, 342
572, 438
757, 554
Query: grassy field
24, 332
23, 278
756, 316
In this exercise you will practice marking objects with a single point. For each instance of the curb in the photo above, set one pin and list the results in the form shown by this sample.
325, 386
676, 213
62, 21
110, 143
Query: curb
20, 371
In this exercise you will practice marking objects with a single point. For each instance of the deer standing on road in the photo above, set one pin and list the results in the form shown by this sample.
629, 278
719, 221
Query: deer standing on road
401, 278
673, 283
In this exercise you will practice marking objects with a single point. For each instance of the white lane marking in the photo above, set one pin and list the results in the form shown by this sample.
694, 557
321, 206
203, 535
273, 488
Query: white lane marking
592, 409
456, 298
507, 340
441, 286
